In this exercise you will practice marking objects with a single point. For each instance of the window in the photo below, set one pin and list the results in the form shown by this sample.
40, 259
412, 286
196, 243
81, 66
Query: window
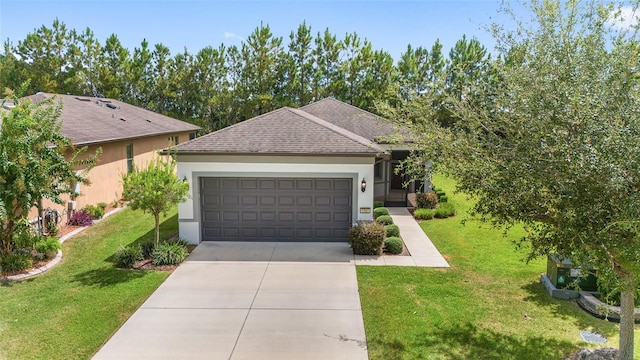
130, 158
377, 170
173, 140
192, 136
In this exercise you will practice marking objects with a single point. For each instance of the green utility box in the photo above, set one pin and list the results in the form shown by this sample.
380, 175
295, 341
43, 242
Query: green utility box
563, 274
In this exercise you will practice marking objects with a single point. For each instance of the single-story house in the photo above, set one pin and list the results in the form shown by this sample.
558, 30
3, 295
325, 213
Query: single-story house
126, 134
302, 174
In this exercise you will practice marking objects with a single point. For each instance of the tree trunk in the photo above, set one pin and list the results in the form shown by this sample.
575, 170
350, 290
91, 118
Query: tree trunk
157, 218
626, 320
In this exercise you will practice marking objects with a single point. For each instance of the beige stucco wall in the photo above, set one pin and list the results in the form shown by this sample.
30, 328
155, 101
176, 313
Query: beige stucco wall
106, 175
195, 167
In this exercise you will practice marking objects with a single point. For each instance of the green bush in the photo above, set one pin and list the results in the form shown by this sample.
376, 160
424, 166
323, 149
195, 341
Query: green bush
384, 220
16, 262
367, 238
102, 205
146, 247
380, 211
428, 200
95, 212
378, 203
126, 257
444, 198
48, 247
434, 188
393, 245
445, 210
423, 214
440, 193
392, 230
169, 253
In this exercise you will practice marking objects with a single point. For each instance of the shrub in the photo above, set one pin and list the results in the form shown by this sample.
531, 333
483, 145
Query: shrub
48, 247
423, 214
102, 205
445, 210
126, 257
440, 193
378, 203
81, 218
16, 262
52, 228
146, 247
393, 245
443, 198
392, 230
169, 253
435, 189
380, 211
428, 200
367, 238
95, 212
384, 220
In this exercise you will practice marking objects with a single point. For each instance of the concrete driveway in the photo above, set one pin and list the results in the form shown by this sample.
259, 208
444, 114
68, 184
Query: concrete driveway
233, 300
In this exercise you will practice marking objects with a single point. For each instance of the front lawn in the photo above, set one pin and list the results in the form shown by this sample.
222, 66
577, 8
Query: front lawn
488, 305
70, 311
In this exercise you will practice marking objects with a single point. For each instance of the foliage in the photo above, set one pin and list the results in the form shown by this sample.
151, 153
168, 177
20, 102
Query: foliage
127, 256
377, 204
427, 200
379, 211
52, 228
443, 198
155, 189
102, 205
445, 210
81, 218
384, 220
392, 230
169, 253
16, 261
424, 214
393, 245
367, 238
96, 212
147, 246
48, 246
33, 163
549, 139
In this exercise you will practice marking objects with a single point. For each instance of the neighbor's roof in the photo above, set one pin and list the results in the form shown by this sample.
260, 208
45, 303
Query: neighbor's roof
88, 120
356, 120
285, 131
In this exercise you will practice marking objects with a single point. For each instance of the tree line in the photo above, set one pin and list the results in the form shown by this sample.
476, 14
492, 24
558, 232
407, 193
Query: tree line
220, 86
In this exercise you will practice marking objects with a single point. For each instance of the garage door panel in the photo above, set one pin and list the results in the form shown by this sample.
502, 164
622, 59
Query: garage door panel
276, 209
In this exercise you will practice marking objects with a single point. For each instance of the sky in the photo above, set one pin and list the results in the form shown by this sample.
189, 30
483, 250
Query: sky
388, 25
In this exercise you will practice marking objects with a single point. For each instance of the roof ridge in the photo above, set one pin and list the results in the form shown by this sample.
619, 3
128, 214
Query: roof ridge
377, 117
337, 129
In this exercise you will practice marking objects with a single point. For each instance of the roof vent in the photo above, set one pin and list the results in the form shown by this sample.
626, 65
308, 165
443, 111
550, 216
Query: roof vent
8, 106
104, 100
123, 119
148, 120
82, 99
111, 106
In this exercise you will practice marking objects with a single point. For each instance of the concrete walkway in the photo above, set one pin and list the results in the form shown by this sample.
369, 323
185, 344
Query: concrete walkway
423, 252
233, 300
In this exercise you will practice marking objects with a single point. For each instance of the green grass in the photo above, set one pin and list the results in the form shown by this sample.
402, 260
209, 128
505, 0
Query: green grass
488, 305
71, 310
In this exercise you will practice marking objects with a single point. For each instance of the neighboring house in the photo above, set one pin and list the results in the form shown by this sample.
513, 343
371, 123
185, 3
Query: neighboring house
126, 134
301, 174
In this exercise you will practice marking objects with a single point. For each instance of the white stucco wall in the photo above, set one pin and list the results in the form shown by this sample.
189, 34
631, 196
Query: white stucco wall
194, 167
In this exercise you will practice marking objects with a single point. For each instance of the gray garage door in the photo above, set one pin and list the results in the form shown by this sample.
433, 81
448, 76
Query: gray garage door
275, 209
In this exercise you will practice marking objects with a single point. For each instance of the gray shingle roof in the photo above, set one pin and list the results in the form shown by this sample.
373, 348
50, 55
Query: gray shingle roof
283, 131
356, 120
88, 120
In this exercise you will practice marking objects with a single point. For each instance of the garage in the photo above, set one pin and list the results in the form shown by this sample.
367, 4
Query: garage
275, 209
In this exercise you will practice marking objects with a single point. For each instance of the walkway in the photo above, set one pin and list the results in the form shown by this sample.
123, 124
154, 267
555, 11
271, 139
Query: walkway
281, 301
423, 252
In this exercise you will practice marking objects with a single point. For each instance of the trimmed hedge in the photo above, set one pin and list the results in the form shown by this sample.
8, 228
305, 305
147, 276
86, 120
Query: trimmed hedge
379, 211
378, 203
423, 214
392, 230
445, 210
367, 238
393, 245
384, 220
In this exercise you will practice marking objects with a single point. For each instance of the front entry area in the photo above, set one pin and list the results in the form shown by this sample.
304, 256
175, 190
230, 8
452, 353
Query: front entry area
276, 209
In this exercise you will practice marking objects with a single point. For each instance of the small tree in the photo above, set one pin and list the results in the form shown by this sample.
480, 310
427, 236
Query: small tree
155, 189
36, 162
